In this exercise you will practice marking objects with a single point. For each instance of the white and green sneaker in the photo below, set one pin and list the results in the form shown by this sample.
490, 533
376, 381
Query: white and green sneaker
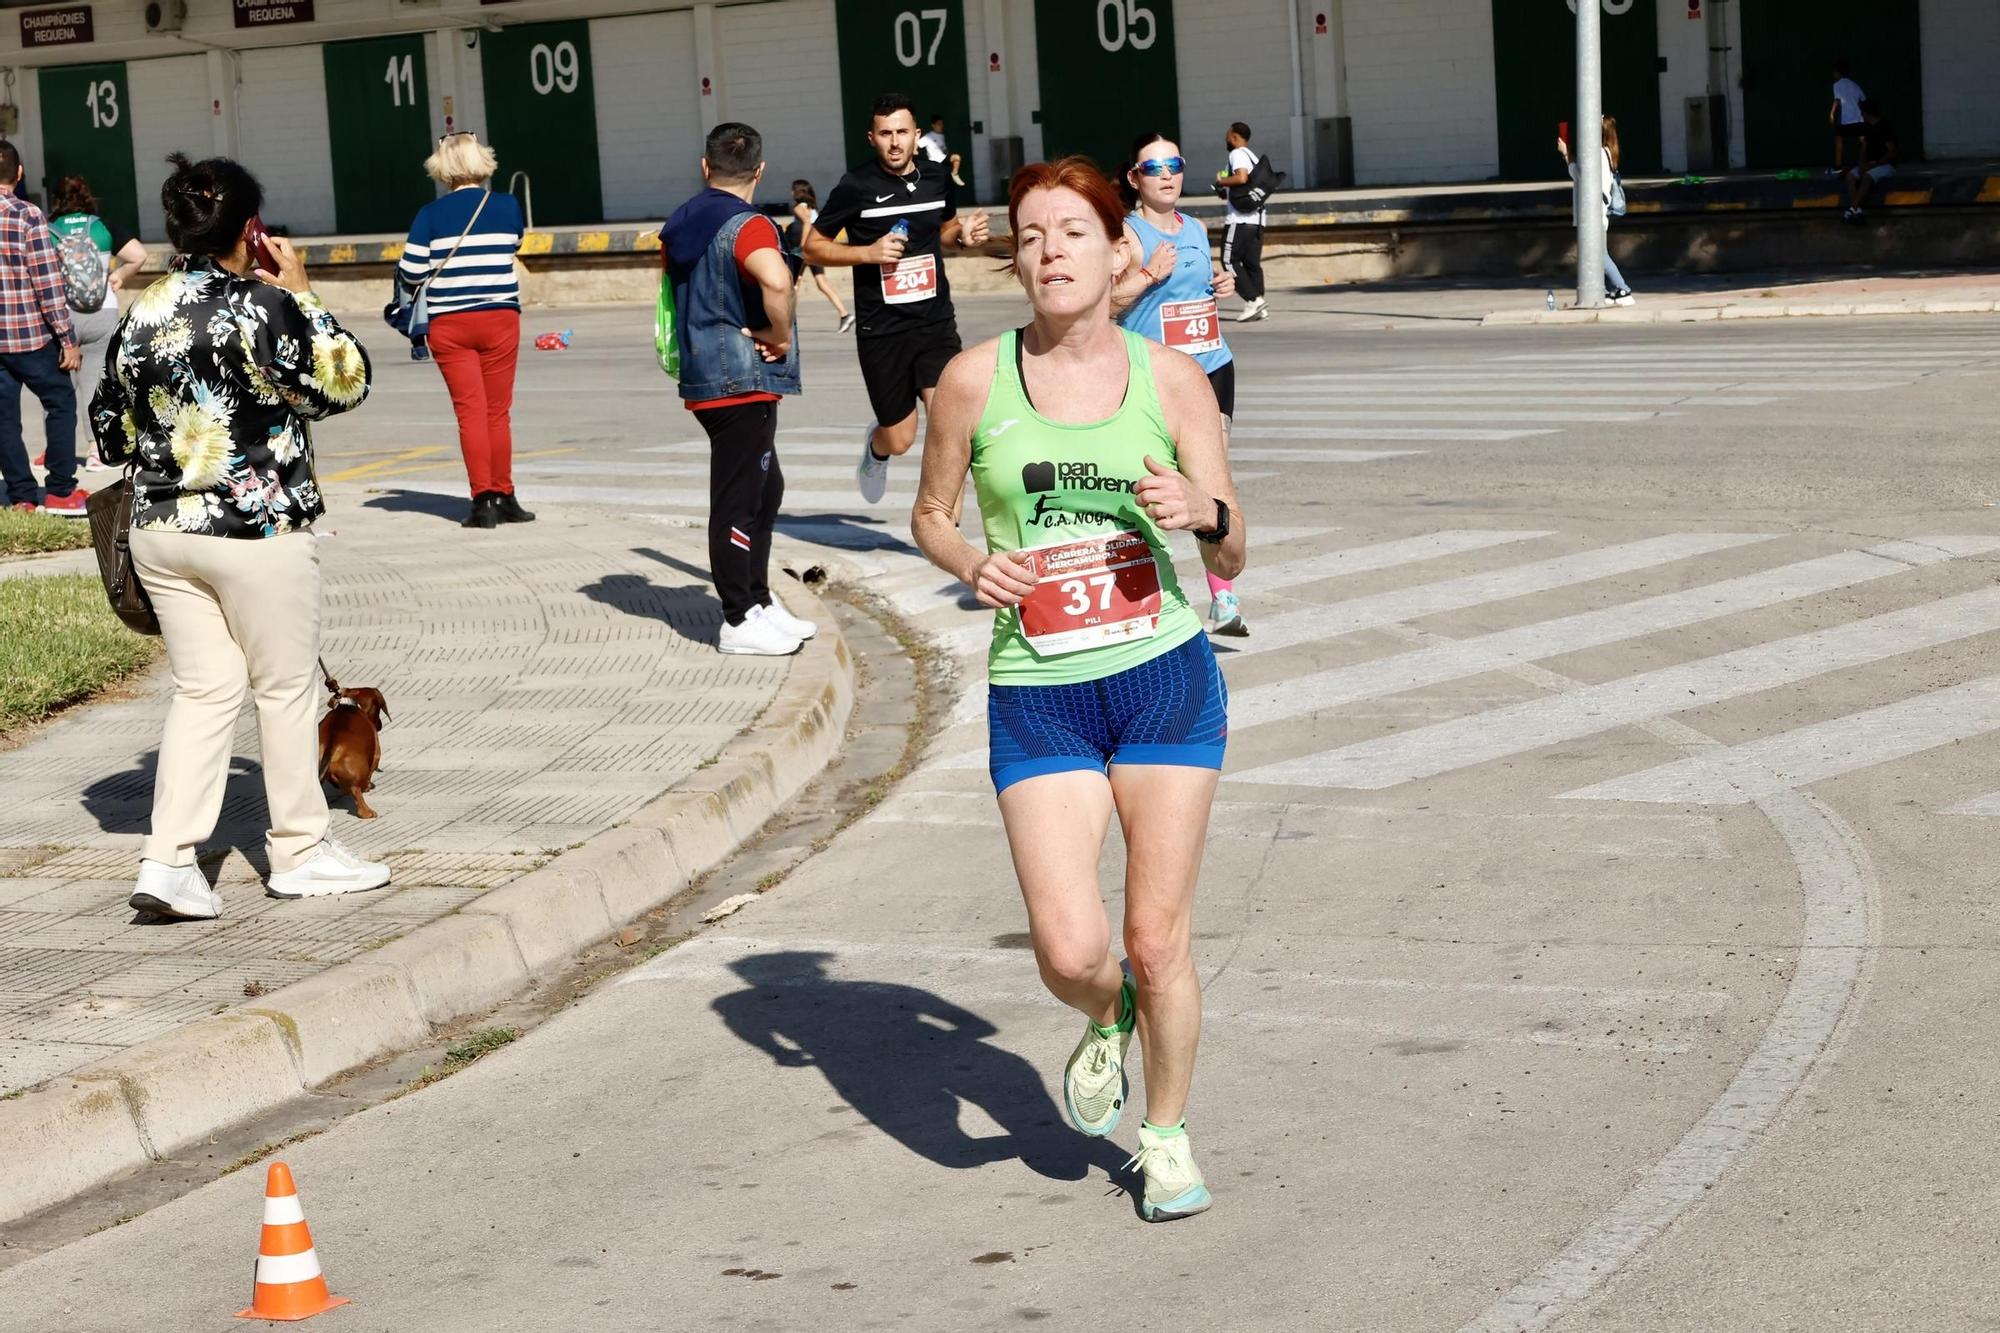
1174, 1187
1094, 1082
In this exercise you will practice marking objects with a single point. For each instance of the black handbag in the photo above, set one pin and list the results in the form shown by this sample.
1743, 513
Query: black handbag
110, 511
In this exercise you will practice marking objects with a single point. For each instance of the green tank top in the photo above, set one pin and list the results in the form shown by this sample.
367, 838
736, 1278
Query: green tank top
1041, 482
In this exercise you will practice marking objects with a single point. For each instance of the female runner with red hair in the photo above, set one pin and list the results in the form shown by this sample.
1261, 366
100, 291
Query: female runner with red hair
1087, 444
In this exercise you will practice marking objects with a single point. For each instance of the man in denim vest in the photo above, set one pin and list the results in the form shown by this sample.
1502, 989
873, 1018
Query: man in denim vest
733, 286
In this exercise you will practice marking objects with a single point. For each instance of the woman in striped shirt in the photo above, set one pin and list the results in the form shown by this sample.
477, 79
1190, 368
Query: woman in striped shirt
462, 245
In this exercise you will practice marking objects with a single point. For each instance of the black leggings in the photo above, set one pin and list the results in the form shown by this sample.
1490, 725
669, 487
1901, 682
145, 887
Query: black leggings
745, 487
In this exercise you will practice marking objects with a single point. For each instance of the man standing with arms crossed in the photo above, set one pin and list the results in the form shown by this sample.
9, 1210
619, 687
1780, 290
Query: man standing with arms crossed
37, 348
898, 214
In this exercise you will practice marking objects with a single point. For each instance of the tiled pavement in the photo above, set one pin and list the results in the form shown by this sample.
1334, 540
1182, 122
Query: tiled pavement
544, 682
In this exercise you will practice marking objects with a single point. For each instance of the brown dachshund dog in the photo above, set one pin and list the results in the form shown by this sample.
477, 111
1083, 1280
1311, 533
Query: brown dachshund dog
350, 746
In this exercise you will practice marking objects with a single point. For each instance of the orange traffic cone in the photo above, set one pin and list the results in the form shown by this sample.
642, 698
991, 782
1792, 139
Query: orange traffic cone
289, 1283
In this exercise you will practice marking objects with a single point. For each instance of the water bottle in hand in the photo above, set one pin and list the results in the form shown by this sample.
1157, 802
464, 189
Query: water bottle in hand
902, 228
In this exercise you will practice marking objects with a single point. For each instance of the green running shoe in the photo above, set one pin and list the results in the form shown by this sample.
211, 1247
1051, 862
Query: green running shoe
1094, 1082
1174, 1187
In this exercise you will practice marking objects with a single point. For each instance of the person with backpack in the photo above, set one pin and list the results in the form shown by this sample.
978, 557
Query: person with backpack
1243, 224
1613, 203
95, 269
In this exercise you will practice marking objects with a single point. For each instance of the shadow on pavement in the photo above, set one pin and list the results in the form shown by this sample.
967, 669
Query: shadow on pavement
452, 507
904, 1058
845, 532
691, 612
123, 803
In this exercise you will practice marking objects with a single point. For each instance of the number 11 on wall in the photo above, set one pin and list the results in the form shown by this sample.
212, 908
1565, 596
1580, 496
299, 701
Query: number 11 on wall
401, 78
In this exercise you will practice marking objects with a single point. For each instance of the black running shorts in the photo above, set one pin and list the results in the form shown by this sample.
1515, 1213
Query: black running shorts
897, 367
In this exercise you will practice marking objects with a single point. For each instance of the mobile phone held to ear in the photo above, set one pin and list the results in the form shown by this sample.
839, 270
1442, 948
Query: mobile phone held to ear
260, 249
1562, 130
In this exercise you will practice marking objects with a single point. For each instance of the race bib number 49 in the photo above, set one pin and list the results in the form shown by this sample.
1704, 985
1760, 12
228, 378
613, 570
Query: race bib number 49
1090, 592
1191, 326
912, 278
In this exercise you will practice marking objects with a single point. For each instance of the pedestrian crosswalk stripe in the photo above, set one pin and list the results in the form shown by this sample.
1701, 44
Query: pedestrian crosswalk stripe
1806, 755
1252, 419
1359, 398
1384, 555
1467, 433
1457, 594
1297, 454
1784, 382
1517, 728
1457, 659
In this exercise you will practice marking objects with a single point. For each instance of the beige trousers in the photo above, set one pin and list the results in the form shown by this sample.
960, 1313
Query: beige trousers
236, 612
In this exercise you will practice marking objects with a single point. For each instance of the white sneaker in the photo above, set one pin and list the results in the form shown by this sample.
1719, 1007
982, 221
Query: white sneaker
872, 472
1174, 1187
181, 891
329, 870
1256, 310
776, 614
758, 636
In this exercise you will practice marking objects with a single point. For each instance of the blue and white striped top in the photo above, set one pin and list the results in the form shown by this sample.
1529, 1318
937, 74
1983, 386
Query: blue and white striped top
481, 275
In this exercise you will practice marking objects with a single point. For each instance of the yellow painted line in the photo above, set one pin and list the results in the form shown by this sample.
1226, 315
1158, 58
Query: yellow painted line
1725, 206
537, 243
396, 467
592, 242
340, 254
1818, 201
1907, 198
391, 250
368, 469
1642, 206
1991, 194
646, 240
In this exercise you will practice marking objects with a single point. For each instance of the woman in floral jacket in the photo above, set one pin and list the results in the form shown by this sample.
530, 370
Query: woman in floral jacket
210, 382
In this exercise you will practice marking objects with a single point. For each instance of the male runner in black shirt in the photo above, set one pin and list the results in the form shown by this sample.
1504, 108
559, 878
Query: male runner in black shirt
907, 332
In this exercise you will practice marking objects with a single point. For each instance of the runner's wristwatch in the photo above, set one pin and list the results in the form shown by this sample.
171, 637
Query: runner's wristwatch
1216, 535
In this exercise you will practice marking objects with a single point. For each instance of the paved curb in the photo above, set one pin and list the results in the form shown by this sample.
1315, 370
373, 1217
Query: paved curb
1743, 310
157, 1098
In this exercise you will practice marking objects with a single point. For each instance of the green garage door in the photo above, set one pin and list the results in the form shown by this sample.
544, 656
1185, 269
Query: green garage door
1789, 47
1534, 64
910, 47
87, 132
541, 116
1107, 74
379, 106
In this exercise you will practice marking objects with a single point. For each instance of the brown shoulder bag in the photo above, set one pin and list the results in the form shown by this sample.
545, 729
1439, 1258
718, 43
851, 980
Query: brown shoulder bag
111, 534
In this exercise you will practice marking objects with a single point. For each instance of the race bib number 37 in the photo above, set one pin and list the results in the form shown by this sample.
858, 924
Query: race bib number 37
913, 278
1090, 592
1191, 326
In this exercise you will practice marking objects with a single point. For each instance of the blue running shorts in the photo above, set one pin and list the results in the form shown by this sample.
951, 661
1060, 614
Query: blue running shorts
1172, 709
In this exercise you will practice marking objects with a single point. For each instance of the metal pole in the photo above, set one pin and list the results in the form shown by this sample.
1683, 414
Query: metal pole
1587, 152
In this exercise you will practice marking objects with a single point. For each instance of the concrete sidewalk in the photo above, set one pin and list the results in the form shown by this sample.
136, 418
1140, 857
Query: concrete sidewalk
1678, 300
546, 683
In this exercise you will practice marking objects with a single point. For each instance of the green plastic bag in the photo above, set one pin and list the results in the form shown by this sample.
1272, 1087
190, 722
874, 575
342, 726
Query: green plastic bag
665, 343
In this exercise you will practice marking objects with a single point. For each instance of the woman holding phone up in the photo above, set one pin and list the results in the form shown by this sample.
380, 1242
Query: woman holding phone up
209, 383
1087, 444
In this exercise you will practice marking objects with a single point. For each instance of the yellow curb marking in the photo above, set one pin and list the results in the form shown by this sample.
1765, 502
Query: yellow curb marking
398, 467
592, 242
1725, 206
1991, 194
646, 240
1818, 201
340, 254
538, 243
367, 469
1907, 198
391, 250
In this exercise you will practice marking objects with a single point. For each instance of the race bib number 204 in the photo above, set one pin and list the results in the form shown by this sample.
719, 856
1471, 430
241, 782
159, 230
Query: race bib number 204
913, 278
1091, 591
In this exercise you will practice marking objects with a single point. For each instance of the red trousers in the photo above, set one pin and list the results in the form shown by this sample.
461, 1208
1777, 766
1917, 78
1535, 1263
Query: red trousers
476, 351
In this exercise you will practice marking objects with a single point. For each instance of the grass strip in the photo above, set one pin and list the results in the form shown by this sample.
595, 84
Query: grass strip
34, 534
59, 645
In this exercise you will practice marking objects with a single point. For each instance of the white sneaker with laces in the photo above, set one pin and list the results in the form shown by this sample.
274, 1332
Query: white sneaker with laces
181, 891
758, 636
1256, 310
872, 472
776, 614
329, 870
1174, 1187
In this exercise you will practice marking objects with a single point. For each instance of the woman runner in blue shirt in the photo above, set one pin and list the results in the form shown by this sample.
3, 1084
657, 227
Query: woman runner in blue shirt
1169, 293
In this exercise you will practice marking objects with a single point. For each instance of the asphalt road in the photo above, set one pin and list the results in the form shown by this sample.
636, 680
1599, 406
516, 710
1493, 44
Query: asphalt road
1597, 928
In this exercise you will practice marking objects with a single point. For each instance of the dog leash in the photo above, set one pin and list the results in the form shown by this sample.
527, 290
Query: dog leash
332, 685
